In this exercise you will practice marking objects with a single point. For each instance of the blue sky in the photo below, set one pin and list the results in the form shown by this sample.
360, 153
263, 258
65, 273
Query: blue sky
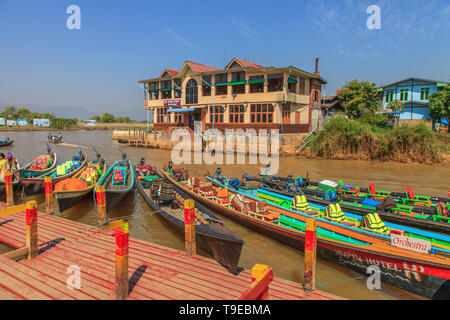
45, 65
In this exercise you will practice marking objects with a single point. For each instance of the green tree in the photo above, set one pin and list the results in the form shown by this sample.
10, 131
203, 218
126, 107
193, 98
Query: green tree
8, 112
396, 105
440, 104
358, 98
96, 118
21, 113
107, 118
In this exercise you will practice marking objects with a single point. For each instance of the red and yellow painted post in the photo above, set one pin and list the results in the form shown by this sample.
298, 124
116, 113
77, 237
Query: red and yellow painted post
48, 194
189, 227
310, 254
101, 203
122, 240
31, 229
262, 276
9, 188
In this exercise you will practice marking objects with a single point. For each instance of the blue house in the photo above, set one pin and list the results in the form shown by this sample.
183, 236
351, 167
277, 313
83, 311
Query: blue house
413, 93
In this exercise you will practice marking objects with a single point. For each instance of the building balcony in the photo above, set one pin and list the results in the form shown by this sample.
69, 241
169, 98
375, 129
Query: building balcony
229, 98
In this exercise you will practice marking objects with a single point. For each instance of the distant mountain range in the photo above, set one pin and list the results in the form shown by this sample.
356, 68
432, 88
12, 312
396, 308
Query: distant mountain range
66, 112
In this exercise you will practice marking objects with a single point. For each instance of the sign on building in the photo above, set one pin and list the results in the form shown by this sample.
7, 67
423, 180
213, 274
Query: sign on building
413, 244
41, 122
22, 122
172, 103
11, 123
2, 121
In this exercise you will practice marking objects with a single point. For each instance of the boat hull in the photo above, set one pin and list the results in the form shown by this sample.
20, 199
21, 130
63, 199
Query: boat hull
7, 144
66, 200
225, 251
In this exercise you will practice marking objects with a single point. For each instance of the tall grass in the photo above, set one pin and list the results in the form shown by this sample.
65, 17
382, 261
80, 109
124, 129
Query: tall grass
343, 138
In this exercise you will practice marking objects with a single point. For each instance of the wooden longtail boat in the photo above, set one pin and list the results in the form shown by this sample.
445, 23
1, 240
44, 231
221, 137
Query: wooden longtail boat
66, 199
115, 189
34, 185
28, 172
350, 220
423, 274
5, 143
407, 201
212, 235
402, 214
408, 197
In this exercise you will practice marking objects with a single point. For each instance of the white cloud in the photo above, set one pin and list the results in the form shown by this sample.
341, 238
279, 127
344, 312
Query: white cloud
243, 28
344, 22
180, 39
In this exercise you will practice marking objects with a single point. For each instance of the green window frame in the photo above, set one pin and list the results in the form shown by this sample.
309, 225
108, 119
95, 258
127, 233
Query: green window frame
389, 95
221, 79
404, 95
424, 93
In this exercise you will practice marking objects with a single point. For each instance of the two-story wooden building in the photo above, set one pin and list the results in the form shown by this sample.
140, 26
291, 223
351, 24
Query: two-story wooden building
413, 94
243, 95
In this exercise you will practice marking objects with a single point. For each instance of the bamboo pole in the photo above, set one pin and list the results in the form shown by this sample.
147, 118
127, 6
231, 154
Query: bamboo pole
262, 276
31, 229
121, 279
189, 227
48, 195
101, 203
310, 254
9, 188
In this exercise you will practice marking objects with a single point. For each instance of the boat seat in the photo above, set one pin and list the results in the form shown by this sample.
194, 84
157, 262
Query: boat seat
271, 217
119, 177
166, 193
156, 184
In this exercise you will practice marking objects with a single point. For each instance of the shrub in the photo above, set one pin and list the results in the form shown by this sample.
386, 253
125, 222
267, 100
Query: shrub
362, 140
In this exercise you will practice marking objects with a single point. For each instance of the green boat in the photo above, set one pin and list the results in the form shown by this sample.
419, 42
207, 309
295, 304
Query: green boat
118, 182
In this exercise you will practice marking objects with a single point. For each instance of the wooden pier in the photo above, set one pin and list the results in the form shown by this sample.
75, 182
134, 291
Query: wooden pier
154, 271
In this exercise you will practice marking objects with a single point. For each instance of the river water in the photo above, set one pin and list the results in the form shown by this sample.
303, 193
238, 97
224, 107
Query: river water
286, 261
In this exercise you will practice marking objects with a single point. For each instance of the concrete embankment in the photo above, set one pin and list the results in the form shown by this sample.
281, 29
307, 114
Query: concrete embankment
288, 143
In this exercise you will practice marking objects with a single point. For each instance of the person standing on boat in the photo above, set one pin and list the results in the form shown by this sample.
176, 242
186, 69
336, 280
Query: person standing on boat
10, 161
3, 166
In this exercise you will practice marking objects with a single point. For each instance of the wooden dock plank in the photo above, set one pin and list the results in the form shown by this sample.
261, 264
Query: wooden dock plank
7, 295
36, 284
108, 252
20, 288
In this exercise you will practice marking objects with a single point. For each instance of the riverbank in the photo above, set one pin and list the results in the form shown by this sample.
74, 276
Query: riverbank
345, 139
